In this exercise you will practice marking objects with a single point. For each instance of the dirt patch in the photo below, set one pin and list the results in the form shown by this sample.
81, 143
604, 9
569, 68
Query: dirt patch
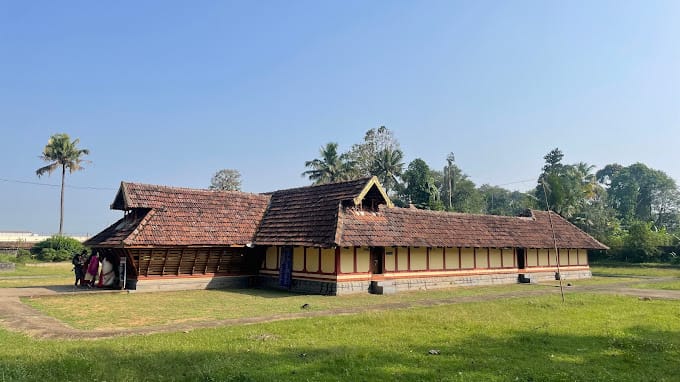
18, 317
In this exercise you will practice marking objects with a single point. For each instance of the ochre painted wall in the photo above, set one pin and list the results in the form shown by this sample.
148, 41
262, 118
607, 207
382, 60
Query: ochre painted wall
582, 257
298, 259
508, 258
532, 257
271, 259
328, 260
312, 259
402, 259
495, 258
452, 258
564, 256
543, 258
390, 259
437, 258
482, 261
467, 258
347, 260
418, 259
363, 259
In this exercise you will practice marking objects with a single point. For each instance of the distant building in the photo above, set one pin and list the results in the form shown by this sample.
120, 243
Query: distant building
11, 241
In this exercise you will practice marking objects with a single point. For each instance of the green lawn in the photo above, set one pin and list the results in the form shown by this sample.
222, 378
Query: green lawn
628, 269
149, 309
40, 274
589, 338
668, 285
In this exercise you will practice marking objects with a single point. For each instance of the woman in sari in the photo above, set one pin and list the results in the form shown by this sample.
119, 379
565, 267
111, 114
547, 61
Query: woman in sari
92, 268
107, 275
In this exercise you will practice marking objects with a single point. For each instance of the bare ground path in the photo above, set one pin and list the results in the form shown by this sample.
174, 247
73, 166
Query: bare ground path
18, 317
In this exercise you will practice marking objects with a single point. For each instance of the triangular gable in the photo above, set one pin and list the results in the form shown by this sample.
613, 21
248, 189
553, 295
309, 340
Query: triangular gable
372, 186
309, 215
120, 202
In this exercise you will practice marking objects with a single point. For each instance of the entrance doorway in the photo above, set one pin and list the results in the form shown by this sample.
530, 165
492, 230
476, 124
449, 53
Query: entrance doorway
521, 258
377, 257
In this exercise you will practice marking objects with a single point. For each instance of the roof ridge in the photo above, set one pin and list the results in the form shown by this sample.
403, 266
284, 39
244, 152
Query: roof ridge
357, 180
454, 213
202, 190
142, 224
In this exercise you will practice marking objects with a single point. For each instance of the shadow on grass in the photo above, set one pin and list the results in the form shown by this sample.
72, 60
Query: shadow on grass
637, 354
261, 292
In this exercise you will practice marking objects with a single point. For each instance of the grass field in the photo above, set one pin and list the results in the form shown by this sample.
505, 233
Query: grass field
148, 309
591, 337
41, 274
628, 269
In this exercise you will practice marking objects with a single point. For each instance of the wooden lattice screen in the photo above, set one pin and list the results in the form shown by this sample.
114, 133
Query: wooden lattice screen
189, 261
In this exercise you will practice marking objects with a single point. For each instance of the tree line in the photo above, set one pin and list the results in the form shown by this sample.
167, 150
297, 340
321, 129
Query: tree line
633, 209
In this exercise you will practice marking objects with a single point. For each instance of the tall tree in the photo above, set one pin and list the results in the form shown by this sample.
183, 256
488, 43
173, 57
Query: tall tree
226, 180
388, 167
566, 188
62, 153
638, 192
365, 154
448, 172
421, 189
500, 201
331, 167
464, 195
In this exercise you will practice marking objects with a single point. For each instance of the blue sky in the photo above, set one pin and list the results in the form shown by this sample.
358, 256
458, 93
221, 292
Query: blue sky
169, 92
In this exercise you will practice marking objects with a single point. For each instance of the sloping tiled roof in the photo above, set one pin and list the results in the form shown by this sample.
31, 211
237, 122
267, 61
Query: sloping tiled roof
324, 215
182, 216
307, 215
411, 227
113, 235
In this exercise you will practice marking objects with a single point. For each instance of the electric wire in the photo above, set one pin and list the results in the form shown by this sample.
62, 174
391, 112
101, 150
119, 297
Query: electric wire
57, 185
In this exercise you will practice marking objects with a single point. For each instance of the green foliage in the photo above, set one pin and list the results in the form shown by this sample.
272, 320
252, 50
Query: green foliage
21, 257
57, 248
462, 193
638, 192
600, 221
388, 167
331, 167
567, 189
499, 201
421, 189
641, 242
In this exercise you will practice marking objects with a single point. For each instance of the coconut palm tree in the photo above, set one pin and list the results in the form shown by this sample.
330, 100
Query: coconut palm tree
62, 153
331, 167
388, 166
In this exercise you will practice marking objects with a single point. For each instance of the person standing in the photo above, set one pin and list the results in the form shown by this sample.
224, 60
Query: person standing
78, 262
92, 268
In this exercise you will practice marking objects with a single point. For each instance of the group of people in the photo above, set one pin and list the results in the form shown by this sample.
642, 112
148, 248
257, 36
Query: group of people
89, 273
